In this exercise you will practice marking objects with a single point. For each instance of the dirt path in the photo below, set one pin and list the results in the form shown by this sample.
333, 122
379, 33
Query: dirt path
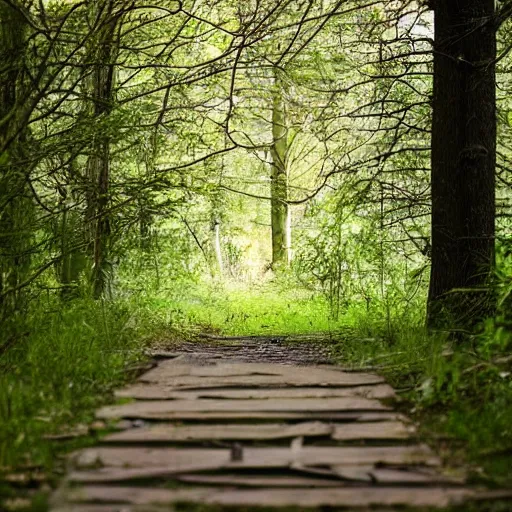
254, 422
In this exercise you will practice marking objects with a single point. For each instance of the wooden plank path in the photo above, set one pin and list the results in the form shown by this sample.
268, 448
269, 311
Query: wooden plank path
215, 429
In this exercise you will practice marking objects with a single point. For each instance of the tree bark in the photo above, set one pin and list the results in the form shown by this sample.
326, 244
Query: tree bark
16, 206
280, 211
463, 162
98, 165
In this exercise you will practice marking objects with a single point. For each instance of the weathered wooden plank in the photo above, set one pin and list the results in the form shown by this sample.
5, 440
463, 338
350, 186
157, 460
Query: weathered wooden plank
212, 368
158, 391
166, 432
134, 495
343, 497
388, 430
438, 497
249, 381
412, 475
358, 416
111, 475
253, 374
393, 430
159, 408
193, 459
240, 480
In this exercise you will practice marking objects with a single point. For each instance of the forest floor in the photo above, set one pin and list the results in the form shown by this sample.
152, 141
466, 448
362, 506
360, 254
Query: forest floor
258, 421
69, 361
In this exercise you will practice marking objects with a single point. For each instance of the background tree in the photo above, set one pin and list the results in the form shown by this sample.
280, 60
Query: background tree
280, 212
104, 47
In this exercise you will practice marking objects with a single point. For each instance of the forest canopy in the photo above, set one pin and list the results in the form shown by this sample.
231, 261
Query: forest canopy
234, 137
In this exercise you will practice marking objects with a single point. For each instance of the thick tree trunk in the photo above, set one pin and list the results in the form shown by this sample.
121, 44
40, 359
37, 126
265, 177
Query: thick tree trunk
16, 206
463, 162
280, 214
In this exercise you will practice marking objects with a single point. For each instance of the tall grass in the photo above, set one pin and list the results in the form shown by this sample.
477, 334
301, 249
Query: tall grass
459, 390
64, 363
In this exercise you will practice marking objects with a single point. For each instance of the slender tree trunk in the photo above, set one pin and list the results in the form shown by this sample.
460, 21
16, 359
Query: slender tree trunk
73, 262
463, 162
99, 169
98, 166
288, 233
280, 214
217, 246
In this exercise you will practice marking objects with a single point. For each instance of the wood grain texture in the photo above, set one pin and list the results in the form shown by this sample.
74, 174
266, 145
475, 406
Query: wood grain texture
349, 497
164, 392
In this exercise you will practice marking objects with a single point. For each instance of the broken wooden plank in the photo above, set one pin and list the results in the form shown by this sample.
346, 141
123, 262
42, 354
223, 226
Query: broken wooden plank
160, 408
194, 459
412, 475
343, 497
158, 391
386, 430
169, 433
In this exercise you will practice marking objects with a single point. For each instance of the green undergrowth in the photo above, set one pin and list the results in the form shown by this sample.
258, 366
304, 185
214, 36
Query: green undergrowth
275, 307
231, 308
459, 391
63, 361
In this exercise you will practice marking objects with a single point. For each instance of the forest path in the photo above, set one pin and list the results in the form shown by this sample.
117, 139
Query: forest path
253, 422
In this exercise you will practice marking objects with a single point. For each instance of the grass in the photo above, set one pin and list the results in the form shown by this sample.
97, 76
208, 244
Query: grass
233, 309
63, 365
457, 391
